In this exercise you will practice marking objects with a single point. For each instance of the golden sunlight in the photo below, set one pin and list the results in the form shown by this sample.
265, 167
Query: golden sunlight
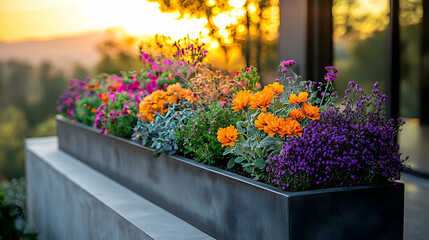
24, 19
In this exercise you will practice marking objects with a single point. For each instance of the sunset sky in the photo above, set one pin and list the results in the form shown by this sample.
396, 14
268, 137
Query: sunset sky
43, 19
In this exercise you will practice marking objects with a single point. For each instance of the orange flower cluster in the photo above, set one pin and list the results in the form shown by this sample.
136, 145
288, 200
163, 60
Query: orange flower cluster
176, 92
113, 86
93, 86
156, 101
302, 97
152, 104
210, 86
227, 136
241, 100
262, 99
272, 125
104, 98
296, 114
276, 88
312, 112
93, 110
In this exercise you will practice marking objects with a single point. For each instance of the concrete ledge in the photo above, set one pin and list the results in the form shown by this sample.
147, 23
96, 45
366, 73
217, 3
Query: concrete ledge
66, 199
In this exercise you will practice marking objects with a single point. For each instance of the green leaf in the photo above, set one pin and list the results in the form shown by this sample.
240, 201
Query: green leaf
267, 141
258, 151
167, 147
231, 163
240, 138
259, 163
239, 159
240, 129
242, 123
251, 129
238, 152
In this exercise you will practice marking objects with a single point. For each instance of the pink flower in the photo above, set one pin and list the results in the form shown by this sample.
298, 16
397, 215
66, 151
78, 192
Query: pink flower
163, 68
70, 112
155, 67
166, 62
112, 96
152, 76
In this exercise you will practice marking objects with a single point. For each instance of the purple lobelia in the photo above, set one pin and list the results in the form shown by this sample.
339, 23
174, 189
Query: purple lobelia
352, 146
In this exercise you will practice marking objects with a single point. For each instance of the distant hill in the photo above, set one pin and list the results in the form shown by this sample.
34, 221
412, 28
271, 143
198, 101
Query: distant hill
62, 52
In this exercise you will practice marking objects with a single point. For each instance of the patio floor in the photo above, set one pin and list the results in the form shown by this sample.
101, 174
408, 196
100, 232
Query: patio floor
416, 222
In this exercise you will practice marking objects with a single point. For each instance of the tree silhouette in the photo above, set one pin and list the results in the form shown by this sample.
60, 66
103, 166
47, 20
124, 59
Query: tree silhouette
17, 84
247, 25
118, 54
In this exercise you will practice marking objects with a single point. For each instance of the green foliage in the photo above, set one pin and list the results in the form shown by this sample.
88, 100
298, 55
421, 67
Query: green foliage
12, 215
86, 108
46, 128
198, 136
13, 129
161, 134
255, 147
248, 79
118, 122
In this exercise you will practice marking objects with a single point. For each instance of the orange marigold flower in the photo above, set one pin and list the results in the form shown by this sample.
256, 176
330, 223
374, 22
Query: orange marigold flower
273, 125
152, 104
296, 114
93, 86
241, 100
93, 110
302, 97
261, 122
113, 86
290, 127
104, 98
174, 88
312, 112
262, 99
227, 136
187, 94
276, 88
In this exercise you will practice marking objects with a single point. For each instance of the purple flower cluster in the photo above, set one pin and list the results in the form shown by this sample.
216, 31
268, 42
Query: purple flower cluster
68, 99
331, 74
353, 146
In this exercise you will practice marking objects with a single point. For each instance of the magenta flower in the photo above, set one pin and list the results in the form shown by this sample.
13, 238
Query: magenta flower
112, 96
288, 63
331, 69
155, 67
70, 112
152, 76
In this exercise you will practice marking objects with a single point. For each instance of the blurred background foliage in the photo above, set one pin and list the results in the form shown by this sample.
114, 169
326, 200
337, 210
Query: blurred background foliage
239, 33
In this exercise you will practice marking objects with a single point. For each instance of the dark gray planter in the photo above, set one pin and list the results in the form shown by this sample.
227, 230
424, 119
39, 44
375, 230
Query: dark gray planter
229, 206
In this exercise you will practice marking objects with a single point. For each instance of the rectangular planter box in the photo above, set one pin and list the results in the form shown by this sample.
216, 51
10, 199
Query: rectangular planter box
228, 206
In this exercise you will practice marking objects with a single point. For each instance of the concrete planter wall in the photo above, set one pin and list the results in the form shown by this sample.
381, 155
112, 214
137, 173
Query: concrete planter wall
229, 206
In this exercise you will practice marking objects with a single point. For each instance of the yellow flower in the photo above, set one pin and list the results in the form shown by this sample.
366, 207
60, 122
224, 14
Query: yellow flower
312, 112
241, 100
262, 99
296, 114
276, 88
227, 136
302, 97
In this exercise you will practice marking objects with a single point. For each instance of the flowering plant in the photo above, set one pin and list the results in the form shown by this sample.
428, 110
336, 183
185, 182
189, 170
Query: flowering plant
199, 133
346, 147
67, 102
289, 134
